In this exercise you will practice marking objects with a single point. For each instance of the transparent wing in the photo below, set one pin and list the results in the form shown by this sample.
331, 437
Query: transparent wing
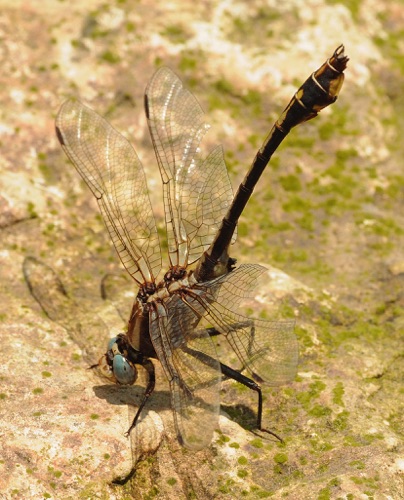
89, 332
197, 191
268, 349
118, 290
113, 172
191, 368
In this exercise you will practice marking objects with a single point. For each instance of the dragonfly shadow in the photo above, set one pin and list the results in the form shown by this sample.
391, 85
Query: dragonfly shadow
241, 414
132, 396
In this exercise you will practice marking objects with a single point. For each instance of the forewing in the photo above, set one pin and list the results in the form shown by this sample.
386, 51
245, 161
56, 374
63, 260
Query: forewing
88, 332
268, 349
118, 290
113, 172
192, 370
197, 191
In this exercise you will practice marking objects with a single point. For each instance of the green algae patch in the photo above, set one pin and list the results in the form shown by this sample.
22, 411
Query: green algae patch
280, 458
338, 393
314, 391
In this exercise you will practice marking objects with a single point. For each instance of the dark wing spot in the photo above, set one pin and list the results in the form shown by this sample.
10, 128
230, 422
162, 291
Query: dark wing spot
146, 106
59, 136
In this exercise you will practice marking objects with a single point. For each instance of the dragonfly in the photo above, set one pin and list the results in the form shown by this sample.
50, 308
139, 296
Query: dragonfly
177, 315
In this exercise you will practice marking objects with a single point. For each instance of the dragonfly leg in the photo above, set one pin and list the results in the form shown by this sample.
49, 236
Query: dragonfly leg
151, 383
249, 323
238, 377
213, 332
242, 379
149, 367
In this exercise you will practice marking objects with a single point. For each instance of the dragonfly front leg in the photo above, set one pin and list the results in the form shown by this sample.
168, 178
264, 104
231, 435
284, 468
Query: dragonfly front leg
151, 383
119, 366
149, 367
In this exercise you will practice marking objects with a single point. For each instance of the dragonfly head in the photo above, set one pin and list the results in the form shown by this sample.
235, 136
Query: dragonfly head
116, 364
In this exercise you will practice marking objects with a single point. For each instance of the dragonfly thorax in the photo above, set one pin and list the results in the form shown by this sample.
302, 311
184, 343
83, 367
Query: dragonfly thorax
175, 279
174, 274
145, 291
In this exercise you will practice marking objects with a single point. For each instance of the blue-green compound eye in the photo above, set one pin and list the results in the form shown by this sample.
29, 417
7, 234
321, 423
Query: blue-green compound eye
111, 343
124, 372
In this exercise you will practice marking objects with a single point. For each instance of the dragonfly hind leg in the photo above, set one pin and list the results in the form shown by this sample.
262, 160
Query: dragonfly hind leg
248, 382
229, 372
248, 323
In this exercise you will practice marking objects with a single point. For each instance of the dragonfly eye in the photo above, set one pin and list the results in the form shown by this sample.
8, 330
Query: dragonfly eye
112, 345
125, 373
